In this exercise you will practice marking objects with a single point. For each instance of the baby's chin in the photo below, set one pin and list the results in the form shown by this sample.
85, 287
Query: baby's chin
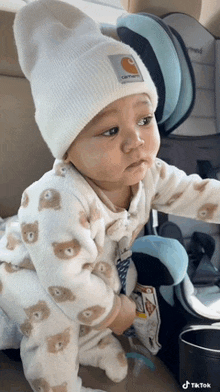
136, 175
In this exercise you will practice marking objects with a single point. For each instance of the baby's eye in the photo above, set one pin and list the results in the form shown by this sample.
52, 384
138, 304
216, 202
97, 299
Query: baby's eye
111, 132
145, 121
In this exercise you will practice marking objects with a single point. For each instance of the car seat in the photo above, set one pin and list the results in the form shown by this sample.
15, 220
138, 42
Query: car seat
186, 57
187, 87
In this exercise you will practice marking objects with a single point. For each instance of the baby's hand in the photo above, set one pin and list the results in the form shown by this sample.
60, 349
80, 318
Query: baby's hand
125, 317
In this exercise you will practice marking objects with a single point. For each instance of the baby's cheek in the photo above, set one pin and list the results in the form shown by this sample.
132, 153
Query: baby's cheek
154, 140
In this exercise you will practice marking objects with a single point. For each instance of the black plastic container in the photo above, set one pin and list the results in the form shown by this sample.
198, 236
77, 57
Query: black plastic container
199, 358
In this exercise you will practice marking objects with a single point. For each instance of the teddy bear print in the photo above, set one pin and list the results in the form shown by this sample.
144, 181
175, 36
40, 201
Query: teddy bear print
11, 268
88, 266
40, 385
84, 330
29, 232
24, 199
121, 357
113, 228
207, 211
88, 315
27, 263
60, 170
173, 198
58, 342
66, 250
26, 328
38, 312
155, 198
83, 220
50, 198
12, 242
95, 213
106, 341
61, 294
102, 269
60, 388
200, 187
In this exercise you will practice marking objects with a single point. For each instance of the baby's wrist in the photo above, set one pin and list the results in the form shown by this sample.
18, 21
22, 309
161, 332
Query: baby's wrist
125, 317
111, 316
121, 317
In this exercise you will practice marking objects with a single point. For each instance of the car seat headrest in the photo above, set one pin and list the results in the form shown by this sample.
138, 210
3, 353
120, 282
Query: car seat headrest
163, 52
204, 53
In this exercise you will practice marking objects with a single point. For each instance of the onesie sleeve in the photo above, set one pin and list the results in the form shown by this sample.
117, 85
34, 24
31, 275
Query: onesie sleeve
64, 239
176, 193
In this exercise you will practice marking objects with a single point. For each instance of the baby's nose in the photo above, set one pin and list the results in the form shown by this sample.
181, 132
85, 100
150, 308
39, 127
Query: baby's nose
132, 141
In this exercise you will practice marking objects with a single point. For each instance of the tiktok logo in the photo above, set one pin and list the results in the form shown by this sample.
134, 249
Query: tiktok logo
196, 385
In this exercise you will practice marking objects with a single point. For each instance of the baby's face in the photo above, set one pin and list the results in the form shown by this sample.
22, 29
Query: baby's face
119, 145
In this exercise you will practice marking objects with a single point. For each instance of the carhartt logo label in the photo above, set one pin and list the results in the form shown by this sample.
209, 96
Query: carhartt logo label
126, 68
129, 65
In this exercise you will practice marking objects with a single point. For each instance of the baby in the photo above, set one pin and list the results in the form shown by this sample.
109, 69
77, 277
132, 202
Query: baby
95, 103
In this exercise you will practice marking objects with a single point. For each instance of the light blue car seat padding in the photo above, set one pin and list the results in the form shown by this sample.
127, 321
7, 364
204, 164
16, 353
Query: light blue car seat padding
169, 251
204, 52
160, 44
187, 91
163, 53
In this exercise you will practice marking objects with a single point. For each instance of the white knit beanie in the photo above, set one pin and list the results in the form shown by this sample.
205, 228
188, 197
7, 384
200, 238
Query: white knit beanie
74, 70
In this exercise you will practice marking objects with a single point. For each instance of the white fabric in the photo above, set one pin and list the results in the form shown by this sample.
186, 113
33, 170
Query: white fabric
58, 261
81, 249
210, 297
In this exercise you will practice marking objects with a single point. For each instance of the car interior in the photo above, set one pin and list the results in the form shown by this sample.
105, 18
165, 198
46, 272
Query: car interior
189, 140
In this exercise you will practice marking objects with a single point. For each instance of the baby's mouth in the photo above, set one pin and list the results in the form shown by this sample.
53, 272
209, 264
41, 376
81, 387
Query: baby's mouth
136, 164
